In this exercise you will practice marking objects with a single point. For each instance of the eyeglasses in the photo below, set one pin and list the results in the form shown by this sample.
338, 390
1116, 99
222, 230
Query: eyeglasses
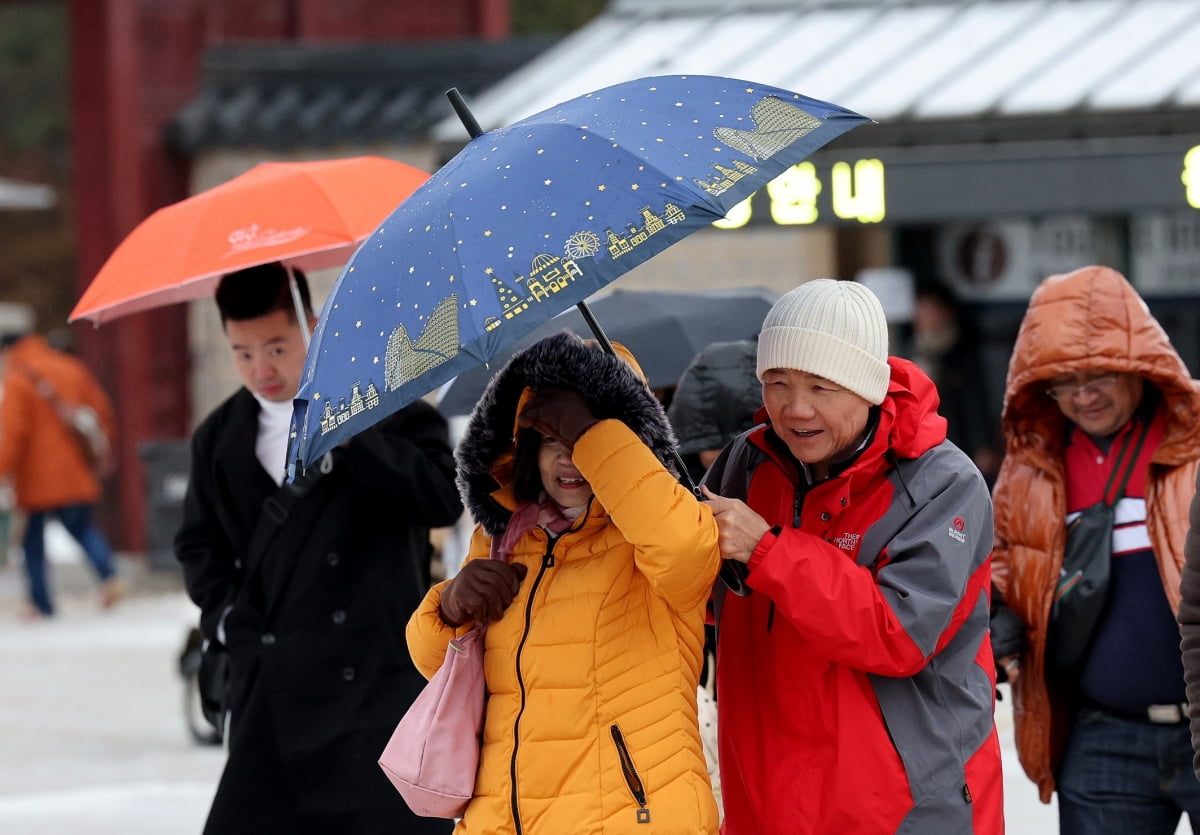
1065, 391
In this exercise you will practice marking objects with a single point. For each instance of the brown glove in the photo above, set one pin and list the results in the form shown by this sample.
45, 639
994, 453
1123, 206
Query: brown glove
481, 591
560, 413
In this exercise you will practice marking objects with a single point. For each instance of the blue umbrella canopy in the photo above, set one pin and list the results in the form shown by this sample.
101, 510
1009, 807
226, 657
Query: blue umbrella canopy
531, 219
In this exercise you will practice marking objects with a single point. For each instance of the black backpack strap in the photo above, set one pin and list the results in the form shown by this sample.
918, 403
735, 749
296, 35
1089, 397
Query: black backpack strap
729, 476
276, 508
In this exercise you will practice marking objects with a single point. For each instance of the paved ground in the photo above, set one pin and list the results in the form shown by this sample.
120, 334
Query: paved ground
92, 736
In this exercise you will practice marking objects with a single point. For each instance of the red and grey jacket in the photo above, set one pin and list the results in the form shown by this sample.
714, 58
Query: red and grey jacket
856, 681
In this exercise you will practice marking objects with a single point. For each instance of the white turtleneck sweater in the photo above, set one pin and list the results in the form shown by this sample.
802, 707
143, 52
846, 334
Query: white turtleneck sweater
274, 424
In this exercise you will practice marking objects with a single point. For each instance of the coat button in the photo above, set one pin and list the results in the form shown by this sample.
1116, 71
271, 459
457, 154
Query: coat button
339, 617
843, 501
268, 639
332, 558
348, 674
825, 517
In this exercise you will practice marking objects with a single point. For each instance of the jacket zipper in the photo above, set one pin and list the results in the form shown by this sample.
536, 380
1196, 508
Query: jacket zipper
547, 562
632, 780
797, 502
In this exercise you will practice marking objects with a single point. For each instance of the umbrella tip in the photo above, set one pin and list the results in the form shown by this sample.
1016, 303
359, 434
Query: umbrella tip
464, 113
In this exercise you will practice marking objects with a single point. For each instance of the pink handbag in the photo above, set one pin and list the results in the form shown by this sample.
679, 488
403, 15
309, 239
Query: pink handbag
433, 754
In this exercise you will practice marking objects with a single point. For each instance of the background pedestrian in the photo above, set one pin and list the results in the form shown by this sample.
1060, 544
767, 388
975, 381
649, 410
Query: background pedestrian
1097, 397
54, 471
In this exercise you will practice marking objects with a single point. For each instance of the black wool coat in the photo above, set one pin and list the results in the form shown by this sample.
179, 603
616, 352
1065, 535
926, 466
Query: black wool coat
316, 619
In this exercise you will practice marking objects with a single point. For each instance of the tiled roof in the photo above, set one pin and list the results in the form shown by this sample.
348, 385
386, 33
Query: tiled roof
283, 97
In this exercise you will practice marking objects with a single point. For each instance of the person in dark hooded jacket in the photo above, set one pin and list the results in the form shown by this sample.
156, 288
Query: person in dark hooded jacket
595, 614
717, 397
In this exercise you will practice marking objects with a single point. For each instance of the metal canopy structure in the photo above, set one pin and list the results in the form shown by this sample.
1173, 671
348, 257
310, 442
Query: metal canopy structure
1090, 104
893, 61
18, 195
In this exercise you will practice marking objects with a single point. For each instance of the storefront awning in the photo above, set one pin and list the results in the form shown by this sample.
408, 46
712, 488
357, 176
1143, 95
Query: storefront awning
1071, 98
914, 61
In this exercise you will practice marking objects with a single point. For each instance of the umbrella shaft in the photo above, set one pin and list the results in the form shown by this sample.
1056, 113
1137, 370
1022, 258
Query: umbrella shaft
586, 312
301, 316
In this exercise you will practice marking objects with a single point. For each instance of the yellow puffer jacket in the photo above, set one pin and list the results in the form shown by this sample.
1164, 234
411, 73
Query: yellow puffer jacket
1091, 318
591, 722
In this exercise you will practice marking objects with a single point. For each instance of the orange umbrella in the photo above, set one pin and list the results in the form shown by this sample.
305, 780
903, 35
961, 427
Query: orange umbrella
307, 214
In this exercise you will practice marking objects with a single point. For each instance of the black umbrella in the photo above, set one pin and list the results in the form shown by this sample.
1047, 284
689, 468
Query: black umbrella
663, 329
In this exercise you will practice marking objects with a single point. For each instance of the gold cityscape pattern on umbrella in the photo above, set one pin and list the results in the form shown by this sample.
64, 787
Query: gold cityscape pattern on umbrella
406, 359
725, 177
777, 125
403, 360
652, 224
360, 401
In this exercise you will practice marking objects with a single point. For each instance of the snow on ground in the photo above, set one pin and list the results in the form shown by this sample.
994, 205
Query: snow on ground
92, 735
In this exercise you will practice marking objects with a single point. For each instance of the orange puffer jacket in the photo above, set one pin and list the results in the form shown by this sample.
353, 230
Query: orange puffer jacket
1091, 318
591, 721
37, 450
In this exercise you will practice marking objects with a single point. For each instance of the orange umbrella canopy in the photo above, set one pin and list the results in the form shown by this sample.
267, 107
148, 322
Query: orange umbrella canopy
308, 214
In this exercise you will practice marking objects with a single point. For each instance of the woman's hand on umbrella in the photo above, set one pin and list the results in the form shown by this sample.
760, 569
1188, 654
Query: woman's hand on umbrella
561, 413
481, 591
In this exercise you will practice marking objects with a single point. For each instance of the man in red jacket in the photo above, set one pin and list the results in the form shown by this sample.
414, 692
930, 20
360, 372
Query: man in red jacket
856, 677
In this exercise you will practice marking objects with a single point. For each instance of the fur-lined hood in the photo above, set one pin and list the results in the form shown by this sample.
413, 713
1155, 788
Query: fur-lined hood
612, 386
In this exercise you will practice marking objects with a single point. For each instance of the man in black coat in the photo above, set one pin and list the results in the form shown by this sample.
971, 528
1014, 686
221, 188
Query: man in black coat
309, 586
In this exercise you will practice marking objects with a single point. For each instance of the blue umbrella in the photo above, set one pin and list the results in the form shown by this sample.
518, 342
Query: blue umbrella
530, 219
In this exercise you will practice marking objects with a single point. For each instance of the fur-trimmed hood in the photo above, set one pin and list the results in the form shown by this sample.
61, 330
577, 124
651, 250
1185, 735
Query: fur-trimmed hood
612, 386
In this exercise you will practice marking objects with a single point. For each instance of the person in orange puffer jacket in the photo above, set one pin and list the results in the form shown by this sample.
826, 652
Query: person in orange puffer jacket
50, 471
1094, 383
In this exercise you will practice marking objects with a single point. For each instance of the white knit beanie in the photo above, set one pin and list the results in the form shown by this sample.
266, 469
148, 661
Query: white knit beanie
834, 329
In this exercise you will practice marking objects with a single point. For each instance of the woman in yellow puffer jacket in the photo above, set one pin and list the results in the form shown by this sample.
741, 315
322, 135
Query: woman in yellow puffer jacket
595, 621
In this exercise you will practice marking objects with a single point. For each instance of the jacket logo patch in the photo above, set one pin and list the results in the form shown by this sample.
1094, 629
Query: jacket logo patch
957, 530
848, 541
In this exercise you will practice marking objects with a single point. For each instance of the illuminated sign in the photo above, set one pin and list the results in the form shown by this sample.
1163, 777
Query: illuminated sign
855, 191
1191, 176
